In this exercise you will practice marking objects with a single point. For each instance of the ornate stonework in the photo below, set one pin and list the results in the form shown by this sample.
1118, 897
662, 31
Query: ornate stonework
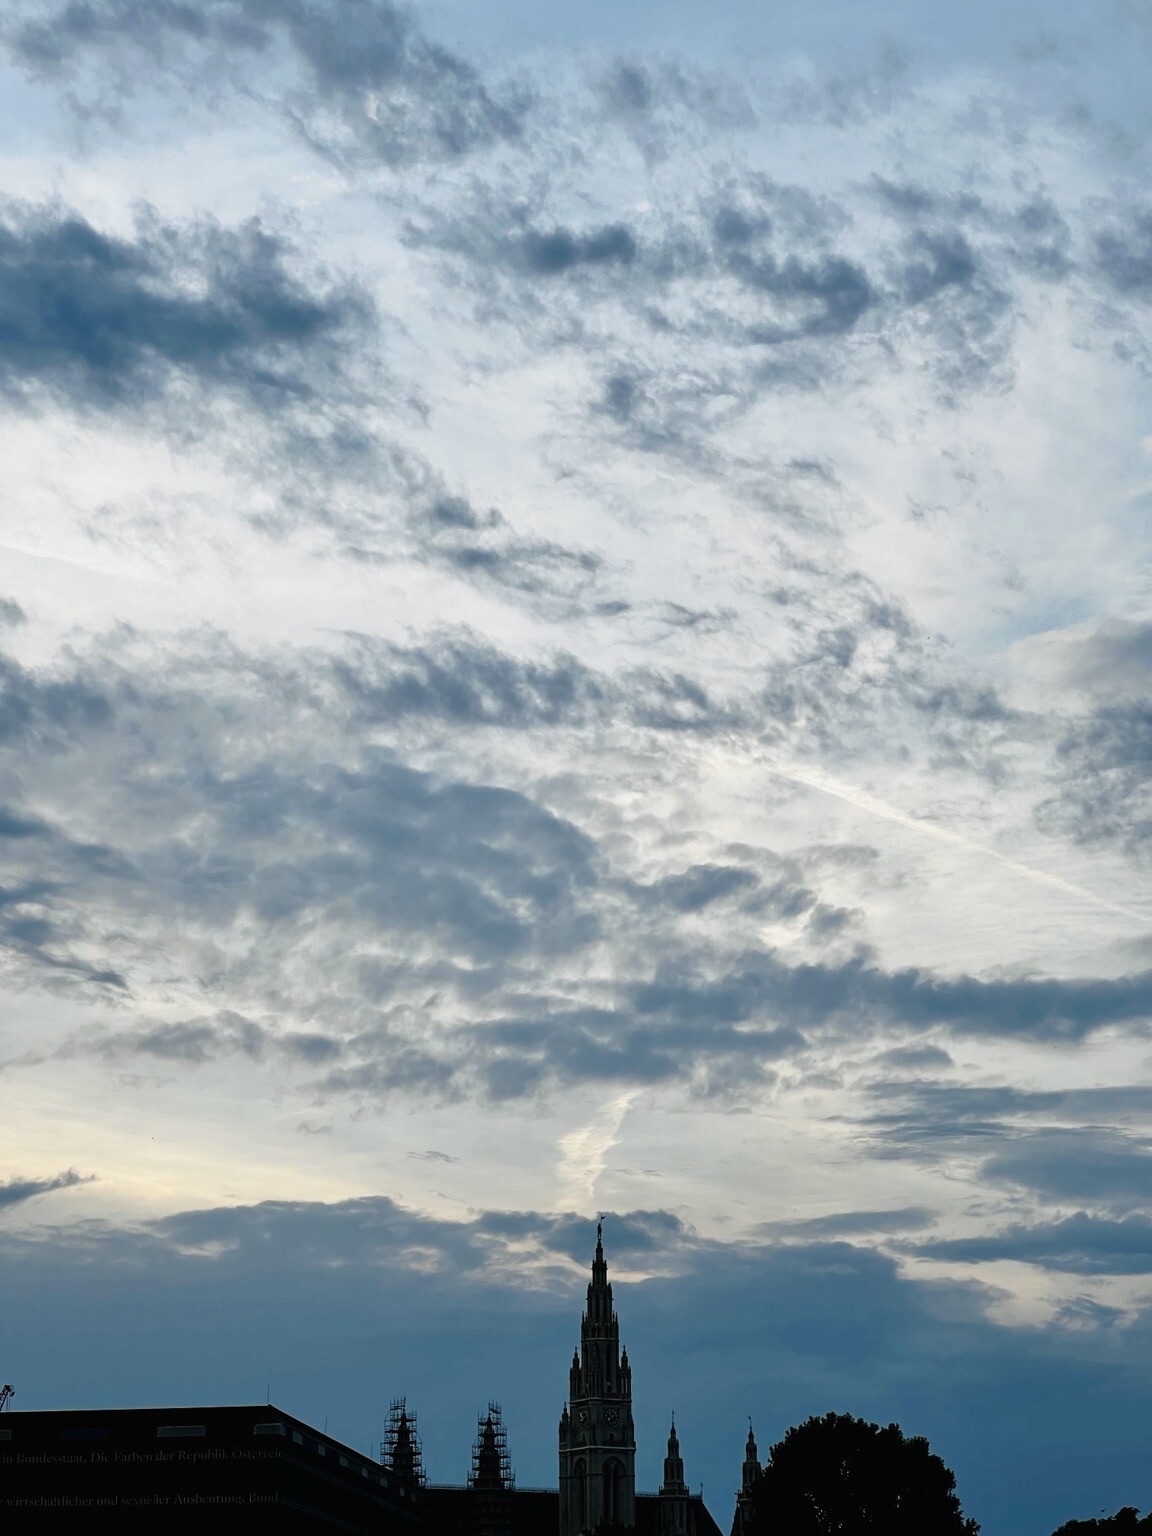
597, 1437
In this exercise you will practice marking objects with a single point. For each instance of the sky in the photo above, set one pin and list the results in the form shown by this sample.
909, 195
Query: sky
576, 636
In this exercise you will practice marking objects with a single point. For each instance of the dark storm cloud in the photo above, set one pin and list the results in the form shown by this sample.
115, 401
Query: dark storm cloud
1081, 1244
11, 613
105, 321
17, 1191
397, 95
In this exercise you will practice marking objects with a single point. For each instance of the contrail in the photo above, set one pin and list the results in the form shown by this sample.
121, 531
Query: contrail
583, 1153
816, 778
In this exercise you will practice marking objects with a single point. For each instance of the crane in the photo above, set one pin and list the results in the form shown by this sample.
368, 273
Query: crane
7, 1393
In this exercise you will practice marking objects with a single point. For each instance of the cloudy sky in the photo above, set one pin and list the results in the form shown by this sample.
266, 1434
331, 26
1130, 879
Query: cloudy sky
576, 635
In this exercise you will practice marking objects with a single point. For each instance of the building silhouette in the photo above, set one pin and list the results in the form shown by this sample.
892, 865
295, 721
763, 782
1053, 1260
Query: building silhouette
258, 1468
742, 1520
597, 1436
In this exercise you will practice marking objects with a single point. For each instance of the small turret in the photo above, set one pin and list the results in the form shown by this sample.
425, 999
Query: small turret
673, 1465
675, 1505
750, 1474
751, 1469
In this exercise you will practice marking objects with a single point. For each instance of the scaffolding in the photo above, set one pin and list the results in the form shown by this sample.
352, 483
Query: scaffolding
491, 1467
400, 1450
491, 1478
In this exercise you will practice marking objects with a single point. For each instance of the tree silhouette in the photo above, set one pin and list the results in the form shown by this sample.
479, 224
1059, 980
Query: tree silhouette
1125, 1522
840, 1476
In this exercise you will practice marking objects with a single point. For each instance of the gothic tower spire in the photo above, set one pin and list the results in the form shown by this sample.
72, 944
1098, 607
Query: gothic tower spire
597, 1437
675, 1505
749, 1474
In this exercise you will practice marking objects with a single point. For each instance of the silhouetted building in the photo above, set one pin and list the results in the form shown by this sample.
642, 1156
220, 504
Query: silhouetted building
675, 1500
258, 1469
597, 1453
227, 1470
597, 1436
742, 1519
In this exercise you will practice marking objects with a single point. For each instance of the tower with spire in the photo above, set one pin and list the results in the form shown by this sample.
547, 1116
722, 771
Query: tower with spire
597, 1436
675, 1502
400, 1451
491, 1480
751, 1471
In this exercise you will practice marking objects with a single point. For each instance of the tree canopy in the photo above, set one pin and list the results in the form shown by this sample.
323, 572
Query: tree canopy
840, 1476
1125, 1522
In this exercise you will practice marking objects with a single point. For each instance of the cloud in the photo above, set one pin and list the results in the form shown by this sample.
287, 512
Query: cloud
822, 298
1105, 1167
584, 1152
848, 1224
1082, 1244
16, 1191
703, 884
392, 928
1124, 254
764, 985
358, 79
909, 1058
466, 680
191, 1042
1012, 1130
1115, 660
105, 322
546, 253
1104, 771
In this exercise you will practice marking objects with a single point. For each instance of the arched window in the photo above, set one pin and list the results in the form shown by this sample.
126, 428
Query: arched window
613, 1490
580, 1492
